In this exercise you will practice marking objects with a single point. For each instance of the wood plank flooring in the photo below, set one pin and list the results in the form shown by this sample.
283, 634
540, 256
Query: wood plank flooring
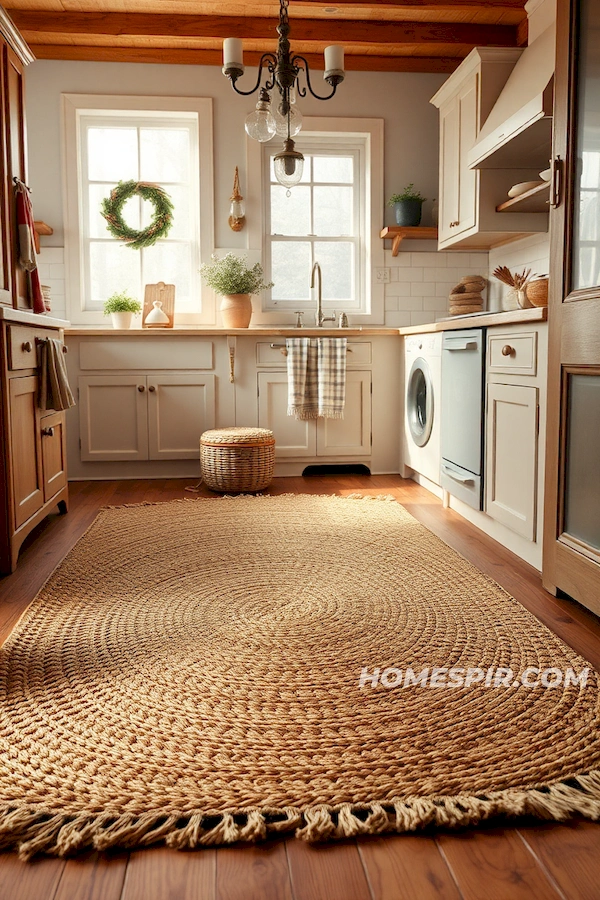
536, 861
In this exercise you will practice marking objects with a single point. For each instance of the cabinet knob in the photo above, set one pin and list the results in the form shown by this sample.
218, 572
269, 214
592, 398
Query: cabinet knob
507, 350
141, 388
151, 388
48, 432
26, 347
65, 349
454, 224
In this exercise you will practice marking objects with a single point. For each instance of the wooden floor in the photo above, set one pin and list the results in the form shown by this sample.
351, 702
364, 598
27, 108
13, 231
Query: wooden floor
536, 861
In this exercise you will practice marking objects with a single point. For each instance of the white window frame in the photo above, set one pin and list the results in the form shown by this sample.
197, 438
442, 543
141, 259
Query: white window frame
365, 134
74, 106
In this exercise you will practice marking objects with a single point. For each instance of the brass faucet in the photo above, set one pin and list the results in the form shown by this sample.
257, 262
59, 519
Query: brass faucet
319, 317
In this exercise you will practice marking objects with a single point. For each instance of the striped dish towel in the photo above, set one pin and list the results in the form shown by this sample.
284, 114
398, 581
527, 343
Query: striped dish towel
26, 234
316, 377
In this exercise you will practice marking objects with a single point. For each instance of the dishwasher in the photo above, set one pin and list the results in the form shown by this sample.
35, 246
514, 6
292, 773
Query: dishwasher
463, 356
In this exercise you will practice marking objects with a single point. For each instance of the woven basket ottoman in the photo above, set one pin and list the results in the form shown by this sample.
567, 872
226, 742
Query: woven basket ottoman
237, 459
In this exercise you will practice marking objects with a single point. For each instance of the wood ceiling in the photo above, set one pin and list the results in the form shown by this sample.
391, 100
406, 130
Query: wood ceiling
380, 35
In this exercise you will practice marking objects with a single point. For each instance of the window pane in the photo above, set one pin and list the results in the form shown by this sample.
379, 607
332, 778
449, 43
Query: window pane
334, 168
171, 263
337, 266
333, 210
290, 215
290, 270
164, 154
113, 268
112, 154
183, 226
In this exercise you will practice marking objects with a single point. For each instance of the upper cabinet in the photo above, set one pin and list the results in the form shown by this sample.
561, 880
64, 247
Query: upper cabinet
469, 196
14, 56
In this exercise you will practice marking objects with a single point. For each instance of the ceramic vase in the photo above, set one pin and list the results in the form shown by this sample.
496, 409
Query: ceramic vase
236, 310
121, 319
408, 212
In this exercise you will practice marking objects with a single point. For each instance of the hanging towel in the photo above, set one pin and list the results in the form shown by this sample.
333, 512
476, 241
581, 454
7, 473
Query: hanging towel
55, 392
316, 377
26, 231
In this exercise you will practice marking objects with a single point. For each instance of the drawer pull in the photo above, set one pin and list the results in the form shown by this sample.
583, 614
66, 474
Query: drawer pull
507, 350
48, 432
65, 349
141, 388
151, 388
26, 347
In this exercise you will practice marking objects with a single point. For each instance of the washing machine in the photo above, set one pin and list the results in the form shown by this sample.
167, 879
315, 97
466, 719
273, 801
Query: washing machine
422, 406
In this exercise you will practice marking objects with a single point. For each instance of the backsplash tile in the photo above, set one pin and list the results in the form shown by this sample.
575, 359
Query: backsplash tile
51, 265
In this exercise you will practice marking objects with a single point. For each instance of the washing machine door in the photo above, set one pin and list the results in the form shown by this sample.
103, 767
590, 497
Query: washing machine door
419, 402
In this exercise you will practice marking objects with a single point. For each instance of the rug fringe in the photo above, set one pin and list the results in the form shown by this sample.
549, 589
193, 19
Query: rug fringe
34, 832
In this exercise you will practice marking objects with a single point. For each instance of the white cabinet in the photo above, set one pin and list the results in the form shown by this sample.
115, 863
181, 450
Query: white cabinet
335, 438
511, 457
468, 197
144, 416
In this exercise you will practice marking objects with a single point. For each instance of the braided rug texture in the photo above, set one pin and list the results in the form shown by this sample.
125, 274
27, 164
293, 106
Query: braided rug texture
190, 674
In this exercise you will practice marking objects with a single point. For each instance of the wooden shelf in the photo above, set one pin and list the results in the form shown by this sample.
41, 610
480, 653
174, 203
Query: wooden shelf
533, 201
398, 233
41, 228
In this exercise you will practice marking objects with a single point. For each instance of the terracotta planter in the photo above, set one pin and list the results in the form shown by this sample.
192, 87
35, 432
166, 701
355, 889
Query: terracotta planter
236, 310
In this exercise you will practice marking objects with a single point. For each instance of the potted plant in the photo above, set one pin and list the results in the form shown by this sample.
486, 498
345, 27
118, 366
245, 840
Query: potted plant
235, 282
408, 206
121, 308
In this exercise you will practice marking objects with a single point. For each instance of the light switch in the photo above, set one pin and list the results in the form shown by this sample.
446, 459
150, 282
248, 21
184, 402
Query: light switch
382, 276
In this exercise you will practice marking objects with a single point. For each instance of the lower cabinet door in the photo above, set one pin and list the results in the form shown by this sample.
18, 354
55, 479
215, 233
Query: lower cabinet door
180, 408
293, 437
26, 452
54, 454
350, 436
113, 417
511, 457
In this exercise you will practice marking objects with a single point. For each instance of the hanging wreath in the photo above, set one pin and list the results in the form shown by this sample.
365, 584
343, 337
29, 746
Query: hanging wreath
162, 219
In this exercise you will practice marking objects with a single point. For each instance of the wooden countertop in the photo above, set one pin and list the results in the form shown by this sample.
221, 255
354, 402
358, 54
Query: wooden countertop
512, 317
192, 331
26, 317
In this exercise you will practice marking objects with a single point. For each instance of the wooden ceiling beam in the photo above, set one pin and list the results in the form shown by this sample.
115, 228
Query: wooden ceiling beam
185, 56
324, 31
472, 5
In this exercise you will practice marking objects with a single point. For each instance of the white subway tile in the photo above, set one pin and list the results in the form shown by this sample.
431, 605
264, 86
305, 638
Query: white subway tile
43, 270
397, 319
479, 262
422, 289
56, 285
393, 274
52, 254
432, 303
442, 289
397, 289
401, 261
421, 318
410, 303
391, 303
410, 274
436, 260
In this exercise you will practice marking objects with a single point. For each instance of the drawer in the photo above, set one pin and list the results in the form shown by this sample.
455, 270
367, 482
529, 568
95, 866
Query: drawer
512, 353
22, 351
359, 353
144, 353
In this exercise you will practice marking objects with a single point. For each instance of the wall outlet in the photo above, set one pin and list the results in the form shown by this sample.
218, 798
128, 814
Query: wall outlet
382, 276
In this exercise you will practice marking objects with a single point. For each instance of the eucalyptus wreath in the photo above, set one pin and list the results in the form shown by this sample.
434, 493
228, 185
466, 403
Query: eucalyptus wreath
162, 218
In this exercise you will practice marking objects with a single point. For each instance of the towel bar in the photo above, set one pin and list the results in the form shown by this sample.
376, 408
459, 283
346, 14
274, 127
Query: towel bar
283, 348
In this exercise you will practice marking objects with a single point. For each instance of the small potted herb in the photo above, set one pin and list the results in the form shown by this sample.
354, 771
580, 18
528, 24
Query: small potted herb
121, 308
235, 282
408, 206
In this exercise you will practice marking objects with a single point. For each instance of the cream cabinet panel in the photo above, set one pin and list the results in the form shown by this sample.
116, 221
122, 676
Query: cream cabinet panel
512, 450
143, 353
180, 408
350, 436
293, 437
113, 417
449, 164
468, 104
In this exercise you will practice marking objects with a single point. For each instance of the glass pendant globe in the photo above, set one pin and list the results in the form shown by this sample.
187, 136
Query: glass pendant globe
288, 165
281, 122
260, 125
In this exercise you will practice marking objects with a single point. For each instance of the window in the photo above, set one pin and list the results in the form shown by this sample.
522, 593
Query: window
333, 216
146, 144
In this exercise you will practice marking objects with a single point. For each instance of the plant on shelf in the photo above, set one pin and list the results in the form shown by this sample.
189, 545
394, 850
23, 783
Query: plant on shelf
235, 282
408, 206
121, 308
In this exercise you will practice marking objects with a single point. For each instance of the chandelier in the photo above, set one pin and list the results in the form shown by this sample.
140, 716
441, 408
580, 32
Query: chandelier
283, 69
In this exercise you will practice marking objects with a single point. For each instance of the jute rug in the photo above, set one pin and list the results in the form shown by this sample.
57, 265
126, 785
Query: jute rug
208, 671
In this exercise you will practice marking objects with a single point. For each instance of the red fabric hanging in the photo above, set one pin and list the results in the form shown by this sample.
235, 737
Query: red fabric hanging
26, 231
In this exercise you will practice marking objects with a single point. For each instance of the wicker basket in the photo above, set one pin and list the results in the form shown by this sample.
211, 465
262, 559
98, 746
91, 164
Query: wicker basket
237, 459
